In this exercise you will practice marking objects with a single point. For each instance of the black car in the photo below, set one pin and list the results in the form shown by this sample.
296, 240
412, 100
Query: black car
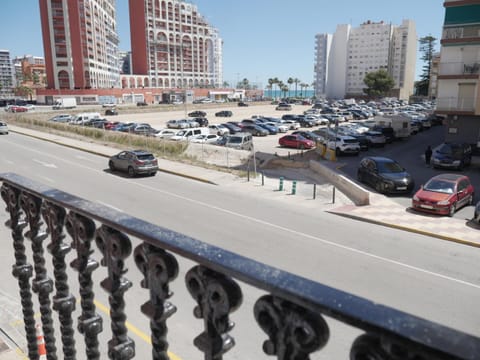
387, 131
202, 121
452, 156
197, 113
232, 128
385, 175
111, 112
142, 103
241, 103
224, 113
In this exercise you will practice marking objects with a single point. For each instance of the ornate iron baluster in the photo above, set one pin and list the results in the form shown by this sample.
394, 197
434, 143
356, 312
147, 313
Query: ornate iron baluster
21, 269
41, 284
294, 332
82, 230
217, 296
63, 301
159, 268
116, 247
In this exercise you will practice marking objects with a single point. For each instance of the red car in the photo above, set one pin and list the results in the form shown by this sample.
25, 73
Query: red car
444, 194
17, 108
296, 141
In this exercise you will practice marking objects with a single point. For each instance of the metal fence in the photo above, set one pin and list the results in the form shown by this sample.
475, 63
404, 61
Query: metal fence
292, 312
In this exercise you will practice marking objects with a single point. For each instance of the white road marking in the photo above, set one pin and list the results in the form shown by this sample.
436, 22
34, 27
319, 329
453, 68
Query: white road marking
108, 205
53, 166
294, 232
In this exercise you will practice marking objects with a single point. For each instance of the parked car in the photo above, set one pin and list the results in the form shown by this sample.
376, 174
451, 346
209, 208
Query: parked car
111, 111
385, 175
375, 138
255, 130
296, 141
241, 103
283, 106
219, 129
197, 113
201, 121
452, 156
282, 128
64, 118
3, 128
476, 213
444, 194
134, 162
142, 103
177, 124
125, 127
144, 129
387, 131
232, 128
309, 135
165, 133
17, 109
272, 129
224, 113
205, 138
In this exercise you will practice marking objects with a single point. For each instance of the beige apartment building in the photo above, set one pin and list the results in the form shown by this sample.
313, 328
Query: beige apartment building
458, 92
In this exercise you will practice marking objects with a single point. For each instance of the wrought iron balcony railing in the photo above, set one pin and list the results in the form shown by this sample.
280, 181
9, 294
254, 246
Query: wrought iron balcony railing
292, 313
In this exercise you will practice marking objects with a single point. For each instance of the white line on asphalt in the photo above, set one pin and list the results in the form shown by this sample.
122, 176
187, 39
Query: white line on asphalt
275, 226
110, 206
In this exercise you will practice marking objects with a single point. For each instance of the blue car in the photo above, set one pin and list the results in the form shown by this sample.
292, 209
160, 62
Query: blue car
272, 130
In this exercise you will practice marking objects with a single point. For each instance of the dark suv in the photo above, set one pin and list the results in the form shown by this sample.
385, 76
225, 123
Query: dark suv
452, 156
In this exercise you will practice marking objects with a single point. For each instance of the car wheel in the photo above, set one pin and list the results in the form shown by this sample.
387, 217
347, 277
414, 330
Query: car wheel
360, 177
111, 165
452, 209
153, 173
131, 171
378, 187
337, 152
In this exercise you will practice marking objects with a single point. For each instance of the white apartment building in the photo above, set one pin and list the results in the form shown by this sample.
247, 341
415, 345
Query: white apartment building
6, 74
372, 46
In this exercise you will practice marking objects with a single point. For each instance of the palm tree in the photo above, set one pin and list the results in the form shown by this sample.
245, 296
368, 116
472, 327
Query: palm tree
296, 81
289, 82
280, 85
285, 89
303, 86
270, 85
276, 81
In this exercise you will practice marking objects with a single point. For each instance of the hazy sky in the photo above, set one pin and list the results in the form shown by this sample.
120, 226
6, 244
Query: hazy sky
262, 39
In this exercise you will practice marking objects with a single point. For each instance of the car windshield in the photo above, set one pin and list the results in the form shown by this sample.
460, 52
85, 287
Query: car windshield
450, 149
389, 167
235, 140
441, 186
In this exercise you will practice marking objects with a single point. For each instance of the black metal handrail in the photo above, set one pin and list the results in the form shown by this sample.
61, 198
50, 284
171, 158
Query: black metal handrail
291, 314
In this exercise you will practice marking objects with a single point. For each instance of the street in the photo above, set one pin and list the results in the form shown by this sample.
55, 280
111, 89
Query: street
425, 276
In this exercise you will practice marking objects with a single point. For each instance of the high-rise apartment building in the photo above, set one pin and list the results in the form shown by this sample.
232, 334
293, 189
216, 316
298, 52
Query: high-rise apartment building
80, 43
6, 74
173, 45
355, 52
458, 89
322, 49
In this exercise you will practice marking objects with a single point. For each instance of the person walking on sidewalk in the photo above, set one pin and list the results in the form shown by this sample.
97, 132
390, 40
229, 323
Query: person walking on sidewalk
428, 155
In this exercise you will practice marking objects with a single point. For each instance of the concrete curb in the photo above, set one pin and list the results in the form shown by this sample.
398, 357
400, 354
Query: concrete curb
405, 228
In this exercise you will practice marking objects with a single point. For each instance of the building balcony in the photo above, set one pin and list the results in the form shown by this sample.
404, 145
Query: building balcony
290, 309
459, 69
457, 105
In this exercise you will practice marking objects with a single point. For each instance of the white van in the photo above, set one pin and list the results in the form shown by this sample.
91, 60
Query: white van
188, 133
241, 141
82, 118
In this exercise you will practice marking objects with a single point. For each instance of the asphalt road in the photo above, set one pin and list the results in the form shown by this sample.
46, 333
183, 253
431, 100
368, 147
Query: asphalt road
425, 276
